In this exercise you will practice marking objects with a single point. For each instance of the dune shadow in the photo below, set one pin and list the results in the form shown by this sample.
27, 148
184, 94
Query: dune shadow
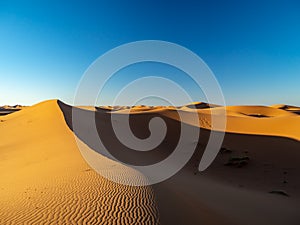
139, 126
272, 163
279, 151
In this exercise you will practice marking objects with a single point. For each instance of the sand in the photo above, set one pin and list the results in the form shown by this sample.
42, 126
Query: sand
256, 120
7, 109
44, 178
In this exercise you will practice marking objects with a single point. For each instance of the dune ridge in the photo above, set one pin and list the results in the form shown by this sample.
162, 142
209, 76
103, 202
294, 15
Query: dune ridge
44, 179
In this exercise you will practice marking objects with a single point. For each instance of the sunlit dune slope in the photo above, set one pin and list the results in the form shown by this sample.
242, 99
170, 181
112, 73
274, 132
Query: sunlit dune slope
258, 111
258, 120
288, 108
145, 109
277, 120
44, 178
263, 120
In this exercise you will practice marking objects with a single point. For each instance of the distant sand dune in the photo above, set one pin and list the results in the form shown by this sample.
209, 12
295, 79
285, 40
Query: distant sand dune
258, 111
288, 108
199, 105
256, 120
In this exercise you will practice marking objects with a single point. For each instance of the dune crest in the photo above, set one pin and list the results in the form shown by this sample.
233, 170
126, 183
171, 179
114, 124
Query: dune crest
44, 179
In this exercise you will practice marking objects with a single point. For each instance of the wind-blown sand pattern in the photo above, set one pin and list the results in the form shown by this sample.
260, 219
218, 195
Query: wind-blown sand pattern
44, 178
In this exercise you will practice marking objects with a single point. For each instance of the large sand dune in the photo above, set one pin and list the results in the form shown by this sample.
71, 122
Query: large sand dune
44, 179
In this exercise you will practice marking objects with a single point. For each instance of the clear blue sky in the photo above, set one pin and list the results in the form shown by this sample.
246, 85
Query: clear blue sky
252, 47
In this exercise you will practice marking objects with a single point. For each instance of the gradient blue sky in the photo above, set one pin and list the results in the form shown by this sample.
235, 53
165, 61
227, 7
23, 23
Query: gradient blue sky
252, 47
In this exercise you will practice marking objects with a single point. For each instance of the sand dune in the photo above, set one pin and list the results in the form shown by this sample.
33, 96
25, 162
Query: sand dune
199, 105
256, 120
7, 109
224, 194
13, 107
288, 108
263, 120
44, 178
258, 111
149, 109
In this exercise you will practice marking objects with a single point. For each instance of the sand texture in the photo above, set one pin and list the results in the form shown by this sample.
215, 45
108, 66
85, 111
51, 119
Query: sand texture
44, 179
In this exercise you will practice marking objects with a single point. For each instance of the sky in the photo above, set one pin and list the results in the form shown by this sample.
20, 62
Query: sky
252, 47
